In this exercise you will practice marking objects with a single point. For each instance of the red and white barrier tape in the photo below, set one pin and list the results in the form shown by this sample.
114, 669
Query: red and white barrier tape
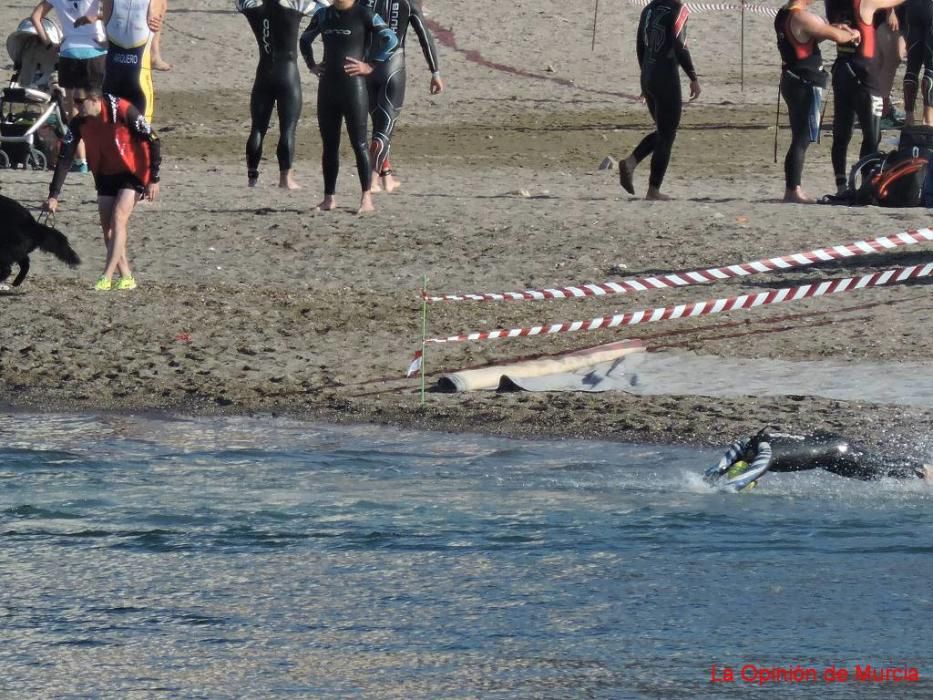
715, 274
745, 301
701, 7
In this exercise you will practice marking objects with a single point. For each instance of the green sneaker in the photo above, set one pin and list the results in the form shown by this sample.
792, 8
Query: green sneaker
126, 283
103, 284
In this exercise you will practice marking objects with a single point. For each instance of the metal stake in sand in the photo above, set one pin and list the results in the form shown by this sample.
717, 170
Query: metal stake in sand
424, 329
595, 13
742, 50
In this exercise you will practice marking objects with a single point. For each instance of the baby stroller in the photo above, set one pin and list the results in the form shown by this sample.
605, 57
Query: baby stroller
31, 122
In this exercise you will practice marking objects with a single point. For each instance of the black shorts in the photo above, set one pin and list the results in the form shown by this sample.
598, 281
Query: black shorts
84, 73
110, 185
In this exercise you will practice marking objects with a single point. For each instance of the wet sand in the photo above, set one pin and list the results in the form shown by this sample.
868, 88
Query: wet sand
249, 302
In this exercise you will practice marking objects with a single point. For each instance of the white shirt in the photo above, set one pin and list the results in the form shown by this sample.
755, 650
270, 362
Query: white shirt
90, 36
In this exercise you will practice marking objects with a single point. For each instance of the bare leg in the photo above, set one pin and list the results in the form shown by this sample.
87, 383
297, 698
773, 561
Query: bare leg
123, 205
655, 195
286, 181
390, 183
157, 62
366, 203
798, 196
376, 187
329, 202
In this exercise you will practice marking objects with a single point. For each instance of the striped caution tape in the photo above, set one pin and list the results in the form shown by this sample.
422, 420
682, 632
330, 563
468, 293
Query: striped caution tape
703, 7
682, 279
893, 276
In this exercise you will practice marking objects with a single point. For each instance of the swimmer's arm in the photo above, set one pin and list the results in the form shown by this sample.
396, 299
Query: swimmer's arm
640, 42
65, 157
104, 10
817, 28
381, 34
157, 10
424, 37
138, 125
732, 454
680, 44
40, 11
312, 31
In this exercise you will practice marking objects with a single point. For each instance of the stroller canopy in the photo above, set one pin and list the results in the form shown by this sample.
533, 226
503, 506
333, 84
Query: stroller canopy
25, 35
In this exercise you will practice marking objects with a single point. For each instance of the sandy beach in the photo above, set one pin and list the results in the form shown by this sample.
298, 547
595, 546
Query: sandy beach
249, 302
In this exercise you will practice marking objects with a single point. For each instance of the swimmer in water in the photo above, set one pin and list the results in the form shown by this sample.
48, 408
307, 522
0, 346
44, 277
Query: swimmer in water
748, 458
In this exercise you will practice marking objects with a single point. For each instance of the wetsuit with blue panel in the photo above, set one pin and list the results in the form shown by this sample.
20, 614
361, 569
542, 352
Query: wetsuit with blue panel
662, 49
357, 33
387, 82
802, 82
275, 24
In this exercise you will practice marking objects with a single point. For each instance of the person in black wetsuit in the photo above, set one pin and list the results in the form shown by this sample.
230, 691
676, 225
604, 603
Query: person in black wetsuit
277, 84
387, 82
919, 35
856, 82
747, 459
349, 31
661, 45
803, 79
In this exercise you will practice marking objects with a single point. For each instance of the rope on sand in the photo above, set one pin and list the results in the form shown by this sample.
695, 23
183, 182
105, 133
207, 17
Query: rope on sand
682, 279
884, 278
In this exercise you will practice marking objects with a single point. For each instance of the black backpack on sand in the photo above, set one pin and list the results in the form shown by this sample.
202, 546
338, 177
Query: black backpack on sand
895, 179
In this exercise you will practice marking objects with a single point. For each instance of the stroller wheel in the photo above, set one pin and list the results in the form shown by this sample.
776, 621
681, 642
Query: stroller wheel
36, 159
4, 160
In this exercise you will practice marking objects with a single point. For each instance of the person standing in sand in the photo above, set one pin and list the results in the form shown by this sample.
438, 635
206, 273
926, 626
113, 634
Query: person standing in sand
277, 84
130, 25
803, 80
349, 32
124, 156
856, 84
387, 82
661, 45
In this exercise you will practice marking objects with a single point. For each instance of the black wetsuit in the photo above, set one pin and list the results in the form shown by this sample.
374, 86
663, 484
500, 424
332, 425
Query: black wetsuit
802, 83
662, 47
345, 34
856, 90
387, 82
792, 453
277, 84
918, 16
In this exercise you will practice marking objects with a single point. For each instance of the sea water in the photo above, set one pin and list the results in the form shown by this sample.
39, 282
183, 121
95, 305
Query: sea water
270, 558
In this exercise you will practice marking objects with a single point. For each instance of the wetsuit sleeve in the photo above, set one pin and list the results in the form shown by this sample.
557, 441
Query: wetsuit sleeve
680, 43
640, 41
143, 131
384, 40
65, 157
732, 454
312, 31
424, 36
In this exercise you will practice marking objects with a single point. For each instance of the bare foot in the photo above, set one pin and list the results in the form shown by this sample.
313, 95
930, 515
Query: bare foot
366, 204
389, 183
287, 182
798, 196
329, 202
375, 186
159, 64
252, 178
655, 195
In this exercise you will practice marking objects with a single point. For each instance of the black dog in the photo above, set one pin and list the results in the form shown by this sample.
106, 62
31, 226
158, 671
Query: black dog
20, 234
